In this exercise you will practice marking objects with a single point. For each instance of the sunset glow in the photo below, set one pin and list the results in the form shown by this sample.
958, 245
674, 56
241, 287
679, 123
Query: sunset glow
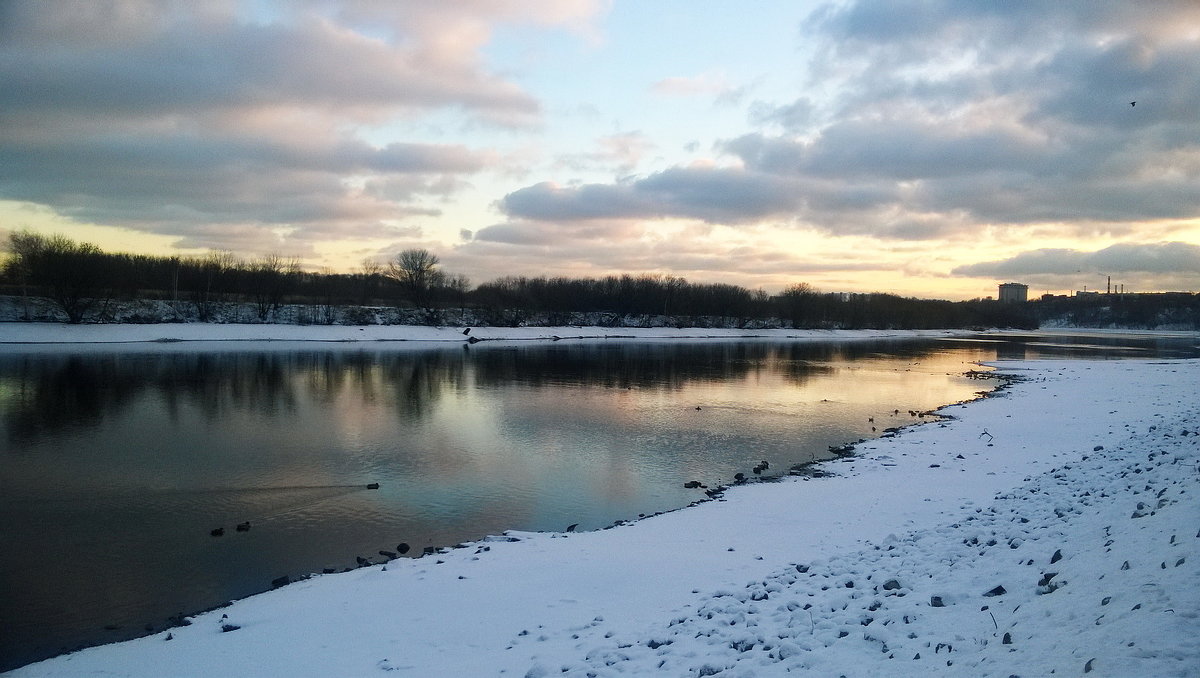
930, 149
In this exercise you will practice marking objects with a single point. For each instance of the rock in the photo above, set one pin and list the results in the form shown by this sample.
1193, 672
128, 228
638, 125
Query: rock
1046, 577
1087, 668
362, 562
372, 486
402, 548
998, 591
692, 484
936, 601
739, 477
891, 585
170, 636
218, 532
243, 527
1007, 640
1097, 448
328, 570
387, 554
572, 526
280, 581
1056, 557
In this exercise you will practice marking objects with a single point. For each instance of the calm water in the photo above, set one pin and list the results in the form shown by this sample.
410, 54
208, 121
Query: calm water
115, 467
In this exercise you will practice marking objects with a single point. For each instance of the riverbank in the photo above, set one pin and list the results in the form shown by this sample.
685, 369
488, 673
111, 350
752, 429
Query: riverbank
25, 336
1049, 528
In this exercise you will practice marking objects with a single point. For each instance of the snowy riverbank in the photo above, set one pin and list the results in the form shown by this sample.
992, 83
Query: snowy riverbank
22, 336
1076, 510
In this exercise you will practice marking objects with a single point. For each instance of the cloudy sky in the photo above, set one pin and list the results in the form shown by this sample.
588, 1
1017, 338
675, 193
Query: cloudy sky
926, 147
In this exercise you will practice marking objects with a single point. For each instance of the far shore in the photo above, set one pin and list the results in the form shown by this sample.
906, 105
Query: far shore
41, 336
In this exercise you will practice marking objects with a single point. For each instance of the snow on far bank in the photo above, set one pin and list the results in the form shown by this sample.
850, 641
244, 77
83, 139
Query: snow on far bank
22, 336
1050, 529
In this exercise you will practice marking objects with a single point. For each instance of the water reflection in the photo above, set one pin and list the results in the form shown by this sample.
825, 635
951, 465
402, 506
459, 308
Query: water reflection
46, 395
115, 467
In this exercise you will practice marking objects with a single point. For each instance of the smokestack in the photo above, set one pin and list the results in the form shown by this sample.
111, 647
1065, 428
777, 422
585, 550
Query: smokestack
1109, 289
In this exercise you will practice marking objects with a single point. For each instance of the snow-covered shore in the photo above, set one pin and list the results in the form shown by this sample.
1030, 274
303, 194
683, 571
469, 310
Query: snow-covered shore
24, 337
1077, 509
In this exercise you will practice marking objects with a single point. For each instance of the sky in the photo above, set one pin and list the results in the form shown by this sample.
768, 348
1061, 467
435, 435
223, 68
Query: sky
929, 148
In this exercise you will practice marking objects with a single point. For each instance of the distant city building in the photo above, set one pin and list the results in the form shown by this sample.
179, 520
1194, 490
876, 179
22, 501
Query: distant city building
1015, 292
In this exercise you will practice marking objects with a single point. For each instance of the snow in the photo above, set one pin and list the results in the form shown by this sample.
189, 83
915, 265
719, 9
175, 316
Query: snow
23, 337
1089, 470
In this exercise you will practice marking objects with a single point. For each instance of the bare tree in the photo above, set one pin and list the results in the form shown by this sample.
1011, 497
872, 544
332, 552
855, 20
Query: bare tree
22, 245
799, 302
417, 273
271, 278
458, 285
369, 274
75, 275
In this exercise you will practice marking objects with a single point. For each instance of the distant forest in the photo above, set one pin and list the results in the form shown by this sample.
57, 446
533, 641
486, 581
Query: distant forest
86, 284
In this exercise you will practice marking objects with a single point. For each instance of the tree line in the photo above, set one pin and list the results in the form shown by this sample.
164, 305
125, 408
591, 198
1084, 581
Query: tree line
83, 282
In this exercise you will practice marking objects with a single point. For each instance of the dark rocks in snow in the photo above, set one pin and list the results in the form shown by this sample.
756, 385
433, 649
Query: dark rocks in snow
936, 601
572, 526
362, 562
1056, 557
691, 484
1007, 640
280, 581
218, 532
997, 591
739, 477
891, 585
226, 628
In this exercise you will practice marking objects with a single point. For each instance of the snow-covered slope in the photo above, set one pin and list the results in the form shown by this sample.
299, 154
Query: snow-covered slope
1051, 528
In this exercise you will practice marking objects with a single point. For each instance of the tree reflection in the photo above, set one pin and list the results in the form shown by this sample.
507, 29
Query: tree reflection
49, 395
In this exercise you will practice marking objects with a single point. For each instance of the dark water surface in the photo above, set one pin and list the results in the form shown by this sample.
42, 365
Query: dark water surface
115, 466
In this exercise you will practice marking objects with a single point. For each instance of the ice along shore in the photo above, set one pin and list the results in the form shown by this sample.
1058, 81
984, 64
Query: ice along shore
1064, 539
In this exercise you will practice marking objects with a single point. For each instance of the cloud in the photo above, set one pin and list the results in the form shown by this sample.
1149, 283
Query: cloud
711, 84
620, 152
945, 119
179, 118
1154, 258
716, 195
